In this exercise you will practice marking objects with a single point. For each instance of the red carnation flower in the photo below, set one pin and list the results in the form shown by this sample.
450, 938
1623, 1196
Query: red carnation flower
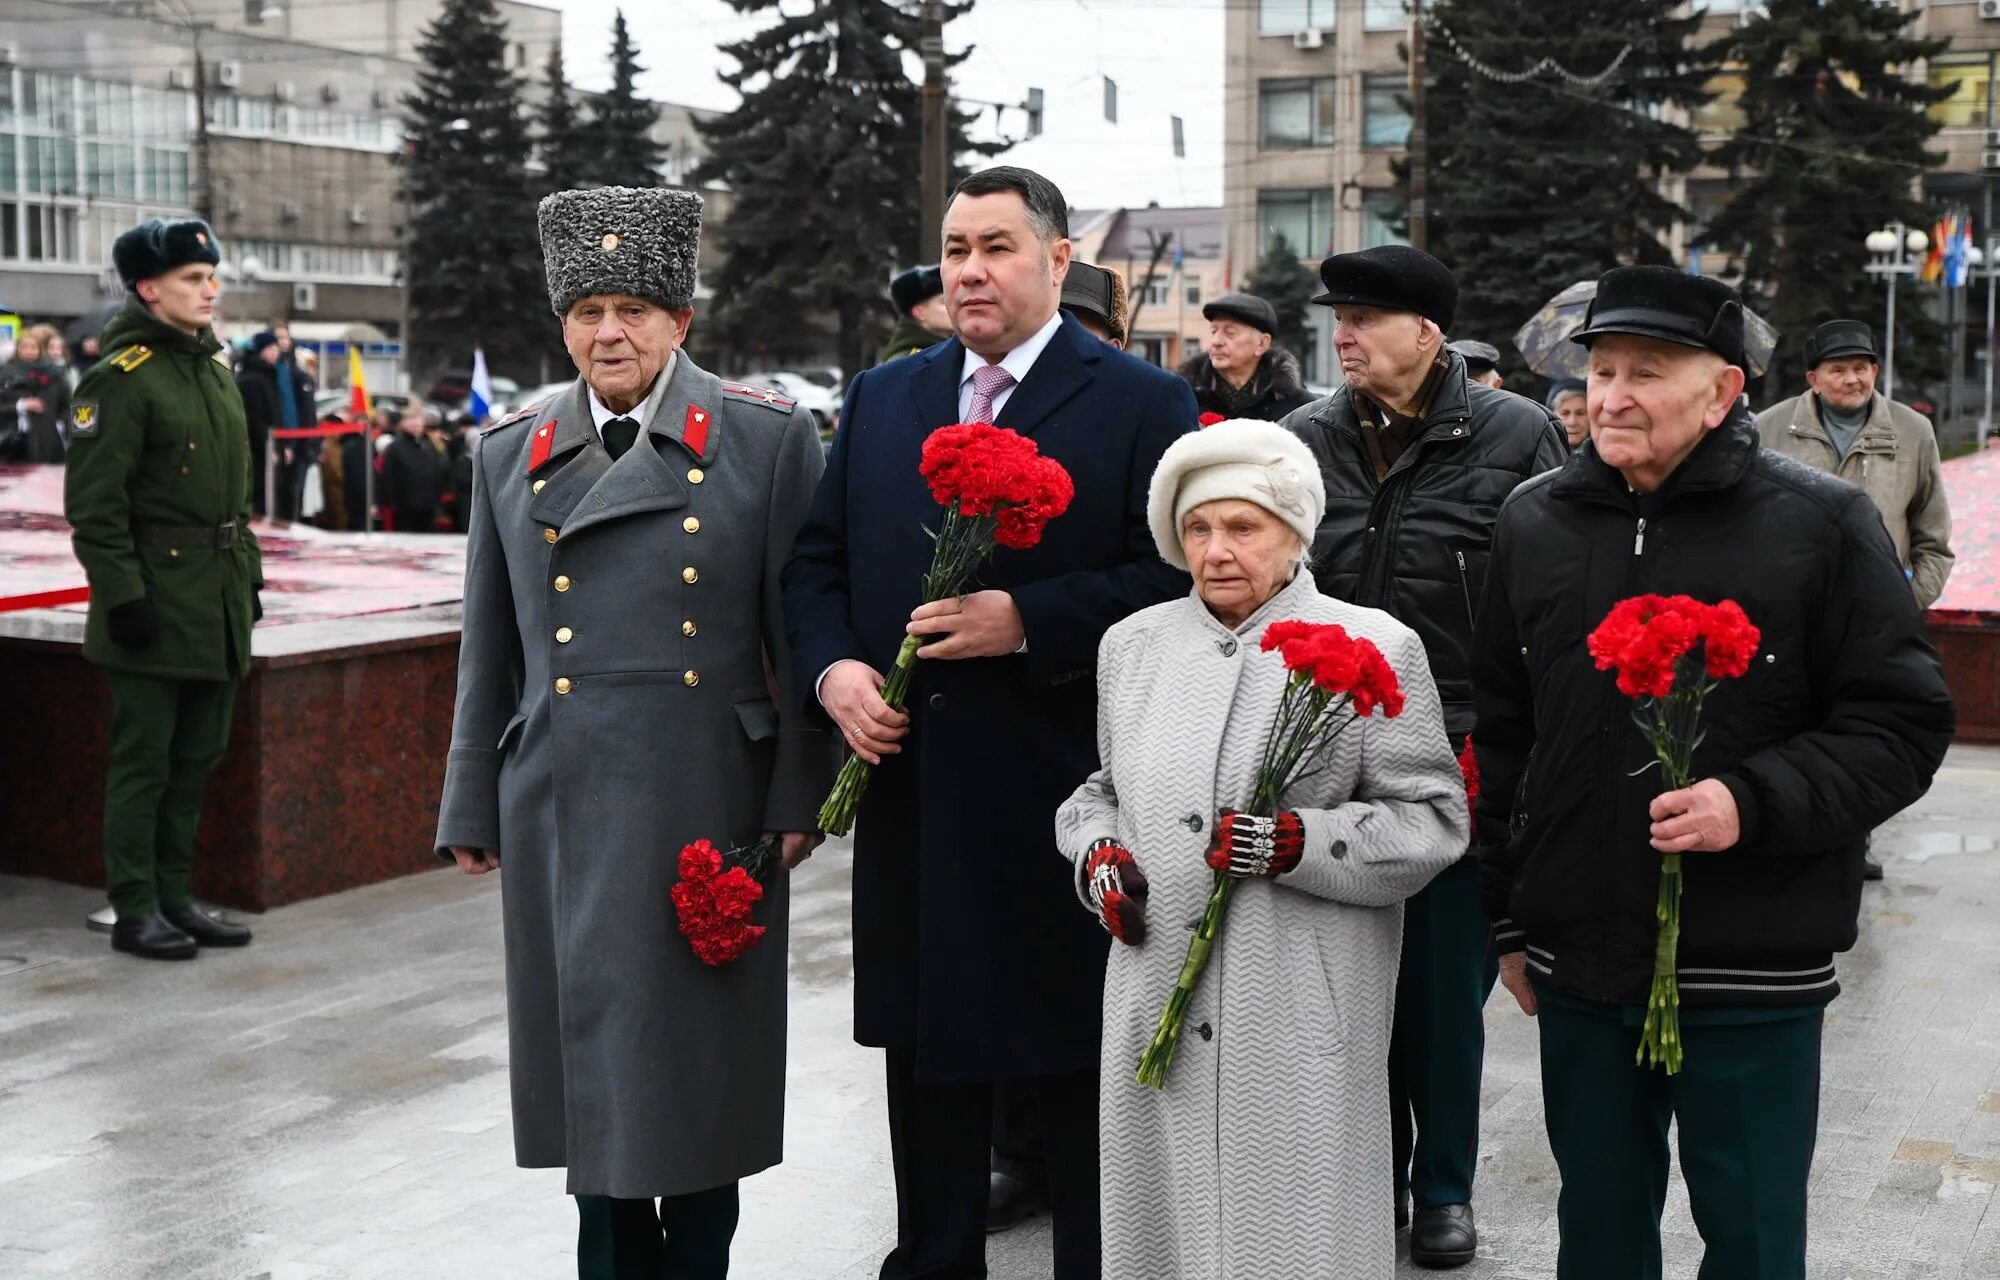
1468, 768
716, 895
1210, 419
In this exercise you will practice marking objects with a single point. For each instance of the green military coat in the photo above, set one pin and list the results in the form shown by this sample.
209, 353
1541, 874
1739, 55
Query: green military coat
157, 452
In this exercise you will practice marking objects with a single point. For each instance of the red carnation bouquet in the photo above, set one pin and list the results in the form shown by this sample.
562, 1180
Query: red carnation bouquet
1335, 680
716, 894
1468, 767
1650, 641
997, 490
1209, 419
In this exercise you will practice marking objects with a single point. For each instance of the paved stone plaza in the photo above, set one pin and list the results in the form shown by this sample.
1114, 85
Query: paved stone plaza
332, 1103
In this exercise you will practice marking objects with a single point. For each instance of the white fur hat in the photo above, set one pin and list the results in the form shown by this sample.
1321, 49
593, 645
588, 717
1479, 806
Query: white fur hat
1241, 458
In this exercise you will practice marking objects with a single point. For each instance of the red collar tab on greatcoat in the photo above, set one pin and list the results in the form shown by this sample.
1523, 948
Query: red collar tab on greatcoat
545, 440
694, 432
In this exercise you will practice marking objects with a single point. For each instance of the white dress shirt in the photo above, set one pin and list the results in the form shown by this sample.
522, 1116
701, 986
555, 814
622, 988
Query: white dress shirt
644, 411
1017, 362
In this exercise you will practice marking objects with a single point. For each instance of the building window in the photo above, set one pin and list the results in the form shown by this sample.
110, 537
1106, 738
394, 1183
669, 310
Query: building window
7, 162
1295, 113
1970, 79
1288, 17
1303, 219
1194, 295
1384, 15
1382, 219
1385, 111
1722, 113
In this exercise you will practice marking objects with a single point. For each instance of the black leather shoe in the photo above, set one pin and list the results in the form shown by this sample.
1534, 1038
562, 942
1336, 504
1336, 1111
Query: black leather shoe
152, 937
1870, 869
1442, 1236
205, 928
1402, 1210
1010, 1201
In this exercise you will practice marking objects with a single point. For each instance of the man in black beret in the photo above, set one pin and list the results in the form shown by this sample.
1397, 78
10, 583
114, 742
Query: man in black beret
1839, 722
158, 494
1417, 461
1238, 373
1482, 361
921, 318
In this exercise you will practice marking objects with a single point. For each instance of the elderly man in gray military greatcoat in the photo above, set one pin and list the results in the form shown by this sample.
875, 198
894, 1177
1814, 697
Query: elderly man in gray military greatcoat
615, 702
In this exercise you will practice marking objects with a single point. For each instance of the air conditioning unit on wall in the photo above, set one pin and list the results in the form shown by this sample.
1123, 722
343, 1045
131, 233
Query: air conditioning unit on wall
357, 215
228, 74
1312, 39
1989, 9
1990, 161
305, 297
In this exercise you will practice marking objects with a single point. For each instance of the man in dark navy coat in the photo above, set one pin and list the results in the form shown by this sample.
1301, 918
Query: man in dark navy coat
971, 963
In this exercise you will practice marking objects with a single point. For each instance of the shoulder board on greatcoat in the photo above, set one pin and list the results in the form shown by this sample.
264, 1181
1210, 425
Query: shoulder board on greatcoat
126, 359
519, 415
765, 396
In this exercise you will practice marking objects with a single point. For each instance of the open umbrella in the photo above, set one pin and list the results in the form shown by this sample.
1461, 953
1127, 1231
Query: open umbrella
1544, 341
91, 323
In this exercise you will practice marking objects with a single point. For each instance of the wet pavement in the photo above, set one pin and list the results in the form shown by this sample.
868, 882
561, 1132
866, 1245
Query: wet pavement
331, 1104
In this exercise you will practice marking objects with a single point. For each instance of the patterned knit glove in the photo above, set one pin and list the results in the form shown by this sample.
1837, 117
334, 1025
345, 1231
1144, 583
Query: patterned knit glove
1117, 889
1246, 846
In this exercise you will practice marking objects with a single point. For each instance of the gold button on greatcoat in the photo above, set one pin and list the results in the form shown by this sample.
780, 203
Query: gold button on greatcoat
562, 582
548, 535
174, 552
691, 678
184, 470
190, 446
695, 475
563, 685
564, 635
539, 484
691, 525
687, 628
689, 574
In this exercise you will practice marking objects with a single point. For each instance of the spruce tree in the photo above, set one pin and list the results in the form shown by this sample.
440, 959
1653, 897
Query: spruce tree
1542, 173
558, 127
617, 143
823, 157
1288, 285
1832, 143
472, 261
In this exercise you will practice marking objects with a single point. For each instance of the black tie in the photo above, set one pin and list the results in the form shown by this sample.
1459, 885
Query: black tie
619, 434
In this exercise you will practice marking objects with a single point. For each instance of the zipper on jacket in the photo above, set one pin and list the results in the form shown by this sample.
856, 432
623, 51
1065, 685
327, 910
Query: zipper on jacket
1638, 539
1465, 589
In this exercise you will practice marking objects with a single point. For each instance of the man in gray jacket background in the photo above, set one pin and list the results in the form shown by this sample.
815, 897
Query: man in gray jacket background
616, 701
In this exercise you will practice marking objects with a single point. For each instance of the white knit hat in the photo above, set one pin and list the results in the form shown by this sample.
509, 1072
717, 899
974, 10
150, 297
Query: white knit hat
1241, 458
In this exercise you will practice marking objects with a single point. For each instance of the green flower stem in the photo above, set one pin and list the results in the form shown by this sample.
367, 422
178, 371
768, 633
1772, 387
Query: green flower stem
836, 816
1673, 724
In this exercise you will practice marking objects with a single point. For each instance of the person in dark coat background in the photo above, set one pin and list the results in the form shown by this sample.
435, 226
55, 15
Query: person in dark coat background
257, 381
411, 475
971, 964
1238, 373
921, 318
34, 398
1840, 722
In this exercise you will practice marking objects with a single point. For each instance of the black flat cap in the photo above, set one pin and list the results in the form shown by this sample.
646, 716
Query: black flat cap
1247, 307
1838, 338
1393, 276
1669, 304
918, 284
155, 247
1479, 356
1087, 290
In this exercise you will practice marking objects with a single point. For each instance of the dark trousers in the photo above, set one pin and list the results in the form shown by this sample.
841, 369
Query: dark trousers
416, 520
682, 1238
167, 736
1438, 1044
940, 1136
1017, 1135
1747, 1101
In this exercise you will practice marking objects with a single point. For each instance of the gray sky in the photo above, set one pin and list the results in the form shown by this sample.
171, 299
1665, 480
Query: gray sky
1165, 55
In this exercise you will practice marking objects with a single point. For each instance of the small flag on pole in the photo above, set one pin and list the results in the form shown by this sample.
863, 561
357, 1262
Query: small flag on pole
482, 388
357, 386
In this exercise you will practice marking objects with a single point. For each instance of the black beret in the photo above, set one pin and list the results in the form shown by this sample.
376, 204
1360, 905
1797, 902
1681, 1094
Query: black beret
261, 339
1479, 356
155, 247
1247, 307
1669, 304
1393, 276
1838, 338
1087, 288
918, 284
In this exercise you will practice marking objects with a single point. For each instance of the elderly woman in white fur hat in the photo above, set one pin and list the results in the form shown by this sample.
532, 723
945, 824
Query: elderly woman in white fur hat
1267, 1153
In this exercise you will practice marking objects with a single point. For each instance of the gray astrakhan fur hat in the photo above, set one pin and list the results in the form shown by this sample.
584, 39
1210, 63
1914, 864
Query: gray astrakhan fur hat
640, 241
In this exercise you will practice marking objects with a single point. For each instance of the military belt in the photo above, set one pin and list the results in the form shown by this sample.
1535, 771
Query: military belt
188, 537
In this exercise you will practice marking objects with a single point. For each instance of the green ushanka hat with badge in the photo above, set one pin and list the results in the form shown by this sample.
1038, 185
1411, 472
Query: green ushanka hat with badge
640, 241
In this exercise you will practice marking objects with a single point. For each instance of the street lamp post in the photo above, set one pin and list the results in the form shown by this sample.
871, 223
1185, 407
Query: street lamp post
1893, 253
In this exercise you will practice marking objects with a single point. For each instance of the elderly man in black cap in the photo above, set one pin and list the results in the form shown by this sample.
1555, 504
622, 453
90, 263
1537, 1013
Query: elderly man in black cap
1417, 461
1238, 373
921, 318
1840, 721
1482, 361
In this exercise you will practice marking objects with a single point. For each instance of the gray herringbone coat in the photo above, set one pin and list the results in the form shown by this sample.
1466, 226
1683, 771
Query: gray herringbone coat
614, 705
1267, 1154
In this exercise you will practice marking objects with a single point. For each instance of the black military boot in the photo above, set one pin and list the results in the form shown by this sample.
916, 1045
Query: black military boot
1011, 1201
1442, 1236
205, 928
151, 936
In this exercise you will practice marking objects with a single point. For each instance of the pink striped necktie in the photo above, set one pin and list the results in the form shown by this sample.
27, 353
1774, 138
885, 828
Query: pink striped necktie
987, 381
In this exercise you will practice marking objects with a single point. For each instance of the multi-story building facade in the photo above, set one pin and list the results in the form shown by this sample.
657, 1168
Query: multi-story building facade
1167, 290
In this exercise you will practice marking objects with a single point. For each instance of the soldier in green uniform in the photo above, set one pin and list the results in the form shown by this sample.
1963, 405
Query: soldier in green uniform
158, 493
921, 318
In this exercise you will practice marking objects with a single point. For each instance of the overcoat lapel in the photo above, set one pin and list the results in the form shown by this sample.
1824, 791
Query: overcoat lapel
1064, 368
575, 460
648, 477
935, 386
